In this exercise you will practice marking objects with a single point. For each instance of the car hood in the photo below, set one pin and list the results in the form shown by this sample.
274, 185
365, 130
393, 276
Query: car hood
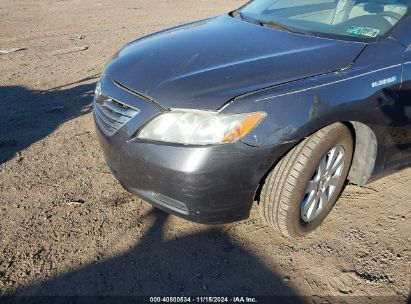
204, 65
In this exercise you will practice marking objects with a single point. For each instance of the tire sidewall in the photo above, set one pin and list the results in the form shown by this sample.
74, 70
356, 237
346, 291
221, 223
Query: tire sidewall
337, 136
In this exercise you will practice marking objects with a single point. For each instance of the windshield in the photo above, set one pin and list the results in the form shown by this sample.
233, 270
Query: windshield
350, 18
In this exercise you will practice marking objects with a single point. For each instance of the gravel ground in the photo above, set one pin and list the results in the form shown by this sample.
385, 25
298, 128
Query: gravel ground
68, 228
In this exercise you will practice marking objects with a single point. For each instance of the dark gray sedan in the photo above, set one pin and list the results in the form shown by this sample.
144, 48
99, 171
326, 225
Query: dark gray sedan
279, 102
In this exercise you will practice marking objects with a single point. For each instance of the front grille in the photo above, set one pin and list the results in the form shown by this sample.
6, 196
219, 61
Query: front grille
111, 114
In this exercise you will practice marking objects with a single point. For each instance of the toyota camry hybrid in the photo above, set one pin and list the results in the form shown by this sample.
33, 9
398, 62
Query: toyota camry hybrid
280, 102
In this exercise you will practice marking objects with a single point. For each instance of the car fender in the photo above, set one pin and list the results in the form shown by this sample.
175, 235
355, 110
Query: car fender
359, 96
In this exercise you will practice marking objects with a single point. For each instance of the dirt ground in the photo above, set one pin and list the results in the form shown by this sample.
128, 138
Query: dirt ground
68, 228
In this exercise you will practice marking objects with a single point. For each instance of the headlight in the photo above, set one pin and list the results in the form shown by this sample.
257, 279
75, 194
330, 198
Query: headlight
200, 127
97, 91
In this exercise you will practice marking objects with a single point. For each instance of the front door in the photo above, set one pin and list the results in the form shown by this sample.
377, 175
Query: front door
399, 151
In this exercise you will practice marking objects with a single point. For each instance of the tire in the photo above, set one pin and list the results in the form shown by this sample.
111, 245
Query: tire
286, 189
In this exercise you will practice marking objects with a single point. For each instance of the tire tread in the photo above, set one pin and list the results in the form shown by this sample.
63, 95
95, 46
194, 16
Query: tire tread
276, 194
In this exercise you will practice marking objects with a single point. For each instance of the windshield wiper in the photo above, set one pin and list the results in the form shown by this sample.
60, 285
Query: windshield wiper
270, 24
237, 14
276, 25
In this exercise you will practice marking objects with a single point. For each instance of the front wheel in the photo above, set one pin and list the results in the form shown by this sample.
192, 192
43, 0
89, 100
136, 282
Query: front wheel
304, 186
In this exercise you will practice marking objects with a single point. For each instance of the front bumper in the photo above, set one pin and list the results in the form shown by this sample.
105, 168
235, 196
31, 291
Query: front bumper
206, 184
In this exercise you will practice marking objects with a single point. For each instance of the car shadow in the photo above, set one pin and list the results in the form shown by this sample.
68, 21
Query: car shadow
205, 263
27, 116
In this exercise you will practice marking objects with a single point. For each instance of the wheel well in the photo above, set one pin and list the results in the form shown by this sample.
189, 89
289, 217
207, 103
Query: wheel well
365, 152
363, 162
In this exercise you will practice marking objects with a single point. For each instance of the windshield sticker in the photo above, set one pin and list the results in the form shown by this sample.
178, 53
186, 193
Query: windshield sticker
363, 31
384, 81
